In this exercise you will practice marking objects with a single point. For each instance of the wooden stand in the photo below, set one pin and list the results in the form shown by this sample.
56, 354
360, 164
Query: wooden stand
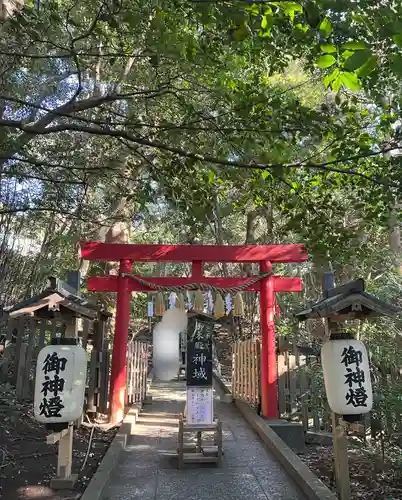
197, 453
64, 478
341, 458
339, 440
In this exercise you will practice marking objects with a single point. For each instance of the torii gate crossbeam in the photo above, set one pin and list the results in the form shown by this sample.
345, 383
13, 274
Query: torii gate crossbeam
124, 285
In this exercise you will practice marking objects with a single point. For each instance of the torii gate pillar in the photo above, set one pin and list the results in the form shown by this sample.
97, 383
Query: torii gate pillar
118, 374
124, 285
269, 390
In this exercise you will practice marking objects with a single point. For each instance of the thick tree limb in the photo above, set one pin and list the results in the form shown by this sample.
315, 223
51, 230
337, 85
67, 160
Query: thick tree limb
324, 166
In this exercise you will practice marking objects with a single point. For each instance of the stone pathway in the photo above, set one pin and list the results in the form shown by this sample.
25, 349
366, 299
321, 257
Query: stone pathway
148, 471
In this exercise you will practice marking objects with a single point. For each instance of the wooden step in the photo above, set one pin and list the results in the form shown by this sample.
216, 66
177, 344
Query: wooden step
195, 428
210, 451
198, 458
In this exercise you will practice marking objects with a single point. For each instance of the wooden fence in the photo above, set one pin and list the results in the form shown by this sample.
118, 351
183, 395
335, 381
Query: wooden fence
301, 393
21, 340
300, 396
297, 391
137, 371
245, 371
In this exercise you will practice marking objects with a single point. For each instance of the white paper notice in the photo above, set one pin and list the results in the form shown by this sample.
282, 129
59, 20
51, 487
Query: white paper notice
200, 408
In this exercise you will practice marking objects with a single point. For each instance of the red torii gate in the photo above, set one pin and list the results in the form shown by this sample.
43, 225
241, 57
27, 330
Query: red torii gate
124, 285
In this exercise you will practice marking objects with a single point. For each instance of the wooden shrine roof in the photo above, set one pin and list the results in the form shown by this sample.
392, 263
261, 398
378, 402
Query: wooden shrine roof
349, 301
57, 296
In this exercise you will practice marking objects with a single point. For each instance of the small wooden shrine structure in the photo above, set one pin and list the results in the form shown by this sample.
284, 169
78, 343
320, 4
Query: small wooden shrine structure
347, 302
62, 301
339, 304
59, 300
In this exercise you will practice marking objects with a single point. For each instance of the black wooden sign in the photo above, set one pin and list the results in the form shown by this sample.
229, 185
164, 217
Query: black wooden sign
199, 352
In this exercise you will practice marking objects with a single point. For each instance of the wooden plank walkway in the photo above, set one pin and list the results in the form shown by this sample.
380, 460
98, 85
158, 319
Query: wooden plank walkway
148, 471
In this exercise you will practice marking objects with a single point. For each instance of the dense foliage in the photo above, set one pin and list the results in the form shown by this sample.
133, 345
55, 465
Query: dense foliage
224, 122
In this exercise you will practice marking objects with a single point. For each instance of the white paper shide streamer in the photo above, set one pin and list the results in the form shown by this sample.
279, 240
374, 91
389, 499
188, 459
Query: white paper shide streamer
166, 334
228, 303
189, 303
210, 302
172, 300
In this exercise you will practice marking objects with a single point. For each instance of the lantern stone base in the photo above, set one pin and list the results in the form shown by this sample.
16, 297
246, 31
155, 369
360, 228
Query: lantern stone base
59, 483
291, 433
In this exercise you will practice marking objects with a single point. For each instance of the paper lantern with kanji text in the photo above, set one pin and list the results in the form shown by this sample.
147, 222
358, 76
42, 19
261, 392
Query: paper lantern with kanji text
61, 373
345, 364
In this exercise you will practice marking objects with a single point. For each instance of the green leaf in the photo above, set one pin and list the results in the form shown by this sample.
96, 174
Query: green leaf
326, 27
267, 22
302, 27
242, 32
348, 53
290, 8
358, 59
325, 61
253, 9
336, 84
350, 80
398, 40
211, 177
328, 48
368, 67
354, 46
396, 64
312, 14
331, 77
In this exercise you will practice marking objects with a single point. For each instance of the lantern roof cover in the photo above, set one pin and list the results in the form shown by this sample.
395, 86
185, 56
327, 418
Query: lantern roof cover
348, 299
57, 296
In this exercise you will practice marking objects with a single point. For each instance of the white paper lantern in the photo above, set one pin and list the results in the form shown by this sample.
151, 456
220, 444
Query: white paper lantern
61, 373
347, 379
166, 352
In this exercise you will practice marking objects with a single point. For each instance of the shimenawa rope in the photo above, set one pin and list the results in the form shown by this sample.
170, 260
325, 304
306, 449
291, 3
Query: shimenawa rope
204, 287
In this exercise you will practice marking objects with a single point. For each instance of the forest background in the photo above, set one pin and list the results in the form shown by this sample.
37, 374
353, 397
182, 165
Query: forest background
230, 122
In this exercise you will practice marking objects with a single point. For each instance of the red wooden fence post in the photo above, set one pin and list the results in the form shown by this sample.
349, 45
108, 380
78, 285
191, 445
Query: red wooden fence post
119, 356
269, 390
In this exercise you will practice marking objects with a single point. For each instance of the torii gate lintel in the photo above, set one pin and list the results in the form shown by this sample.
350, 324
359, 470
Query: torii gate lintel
124, 285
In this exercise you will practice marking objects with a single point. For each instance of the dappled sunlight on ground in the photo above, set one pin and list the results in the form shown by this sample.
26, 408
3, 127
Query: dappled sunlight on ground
148, 469
35, 491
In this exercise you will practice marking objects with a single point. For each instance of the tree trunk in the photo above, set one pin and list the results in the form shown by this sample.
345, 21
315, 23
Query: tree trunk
395, 240
10, 7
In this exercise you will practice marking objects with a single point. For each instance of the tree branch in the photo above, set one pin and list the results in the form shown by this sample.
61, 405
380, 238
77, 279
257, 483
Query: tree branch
324, 166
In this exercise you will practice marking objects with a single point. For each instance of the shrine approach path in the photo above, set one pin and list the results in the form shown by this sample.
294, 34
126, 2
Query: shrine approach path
147, 469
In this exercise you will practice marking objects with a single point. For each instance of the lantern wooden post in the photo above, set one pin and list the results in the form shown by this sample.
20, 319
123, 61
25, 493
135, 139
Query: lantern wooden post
64, 478
339, 440
340, 444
